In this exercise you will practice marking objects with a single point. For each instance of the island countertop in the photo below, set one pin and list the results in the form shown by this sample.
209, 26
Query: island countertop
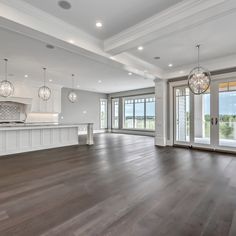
25, 137
18, 126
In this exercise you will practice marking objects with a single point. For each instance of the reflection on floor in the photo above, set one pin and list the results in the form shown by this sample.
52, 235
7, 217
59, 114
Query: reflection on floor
123, 185
223, 142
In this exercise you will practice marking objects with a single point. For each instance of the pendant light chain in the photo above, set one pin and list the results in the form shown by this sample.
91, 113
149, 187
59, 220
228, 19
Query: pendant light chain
198, 56
6, 71
44, 76
73, 81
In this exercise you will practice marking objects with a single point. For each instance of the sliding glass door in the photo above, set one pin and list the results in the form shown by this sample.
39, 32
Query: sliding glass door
225, 114
207, 120
202, 119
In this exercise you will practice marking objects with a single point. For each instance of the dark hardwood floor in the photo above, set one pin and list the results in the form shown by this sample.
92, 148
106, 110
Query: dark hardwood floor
123, 185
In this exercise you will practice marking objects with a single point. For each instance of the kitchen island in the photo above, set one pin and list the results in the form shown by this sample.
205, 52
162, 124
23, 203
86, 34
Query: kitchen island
17, 138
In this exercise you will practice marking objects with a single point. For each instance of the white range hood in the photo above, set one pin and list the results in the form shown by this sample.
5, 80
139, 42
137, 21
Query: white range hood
21, 100
13, 109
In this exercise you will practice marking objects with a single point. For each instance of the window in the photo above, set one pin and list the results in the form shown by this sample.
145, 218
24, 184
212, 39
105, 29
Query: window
115, 113
103, 113
150, 113
139, 113
129, 113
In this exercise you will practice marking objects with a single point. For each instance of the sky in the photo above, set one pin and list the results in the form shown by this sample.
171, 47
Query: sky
139, 109
227, 103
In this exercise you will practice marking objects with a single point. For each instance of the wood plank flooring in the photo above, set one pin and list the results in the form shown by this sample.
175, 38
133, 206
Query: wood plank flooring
123, 185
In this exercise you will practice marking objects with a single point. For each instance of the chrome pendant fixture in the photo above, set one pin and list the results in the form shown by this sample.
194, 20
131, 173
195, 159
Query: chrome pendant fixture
199, 78
6, 87
44, 92
72, 96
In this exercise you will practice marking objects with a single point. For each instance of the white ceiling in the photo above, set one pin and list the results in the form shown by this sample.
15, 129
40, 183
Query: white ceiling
116, 15
216, 37
169, 29
29, 56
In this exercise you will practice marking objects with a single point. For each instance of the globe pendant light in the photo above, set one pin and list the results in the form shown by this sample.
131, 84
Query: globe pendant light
72, 96
6, 87
199, 78
44, 92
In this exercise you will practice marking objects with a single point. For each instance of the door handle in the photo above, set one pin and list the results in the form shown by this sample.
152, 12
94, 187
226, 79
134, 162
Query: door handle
212, 121
216, 121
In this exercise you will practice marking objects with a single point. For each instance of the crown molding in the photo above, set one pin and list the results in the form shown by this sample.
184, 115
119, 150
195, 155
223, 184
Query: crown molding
186, 14
211, 65
21, 17
24, 14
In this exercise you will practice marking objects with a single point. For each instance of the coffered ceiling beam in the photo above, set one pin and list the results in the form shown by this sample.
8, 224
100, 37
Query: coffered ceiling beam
25, 19
182, 16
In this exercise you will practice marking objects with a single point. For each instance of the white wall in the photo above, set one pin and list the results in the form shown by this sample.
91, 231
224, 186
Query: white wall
86, 109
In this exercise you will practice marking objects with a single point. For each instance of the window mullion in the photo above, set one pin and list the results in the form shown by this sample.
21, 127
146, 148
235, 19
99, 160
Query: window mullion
134, 113
145, 113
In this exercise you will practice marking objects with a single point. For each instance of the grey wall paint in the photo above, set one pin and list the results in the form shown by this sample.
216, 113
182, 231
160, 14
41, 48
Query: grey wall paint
87, 102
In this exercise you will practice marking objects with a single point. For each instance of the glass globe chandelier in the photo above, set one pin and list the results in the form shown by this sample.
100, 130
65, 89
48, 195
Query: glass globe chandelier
72, 96
199, 78
6, 87
44, 92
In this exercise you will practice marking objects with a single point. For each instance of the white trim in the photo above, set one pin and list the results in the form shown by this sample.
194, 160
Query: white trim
106, 101
186, 14
213, 146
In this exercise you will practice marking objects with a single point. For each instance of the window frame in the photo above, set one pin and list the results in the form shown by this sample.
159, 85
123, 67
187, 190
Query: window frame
135, 97
100, 111
113, 100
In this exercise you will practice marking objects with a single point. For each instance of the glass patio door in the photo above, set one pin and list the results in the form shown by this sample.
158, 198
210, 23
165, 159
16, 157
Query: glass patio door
201, 120
192, 118
224, 114
207, 120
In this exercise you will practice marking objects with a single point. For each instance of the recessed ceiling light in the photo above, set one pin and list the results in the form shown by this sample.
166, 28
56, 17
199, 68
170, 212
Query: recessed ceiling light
170, 65
49, 46
181, 72
140, 48
26, 76
50, 80
130, 73
71, 41
64, 5
99, 24
99, 81
112, 58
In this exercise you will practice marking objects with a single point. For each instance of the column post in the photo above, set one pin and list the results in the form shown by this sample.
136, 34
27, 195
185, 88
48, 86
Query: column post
161, 112
90, 133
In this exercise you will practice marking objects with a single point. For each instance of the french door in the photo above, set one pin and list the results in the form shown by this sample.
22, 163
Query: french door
207, 120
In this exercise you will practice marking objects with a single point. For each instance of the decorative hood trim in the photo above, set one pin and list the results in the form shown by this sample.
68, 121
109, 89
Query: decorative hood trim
25, 101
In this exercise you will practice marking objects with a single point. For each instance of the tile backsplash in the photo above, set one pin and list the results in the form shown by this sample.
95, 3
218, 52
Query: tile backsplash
10, 111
